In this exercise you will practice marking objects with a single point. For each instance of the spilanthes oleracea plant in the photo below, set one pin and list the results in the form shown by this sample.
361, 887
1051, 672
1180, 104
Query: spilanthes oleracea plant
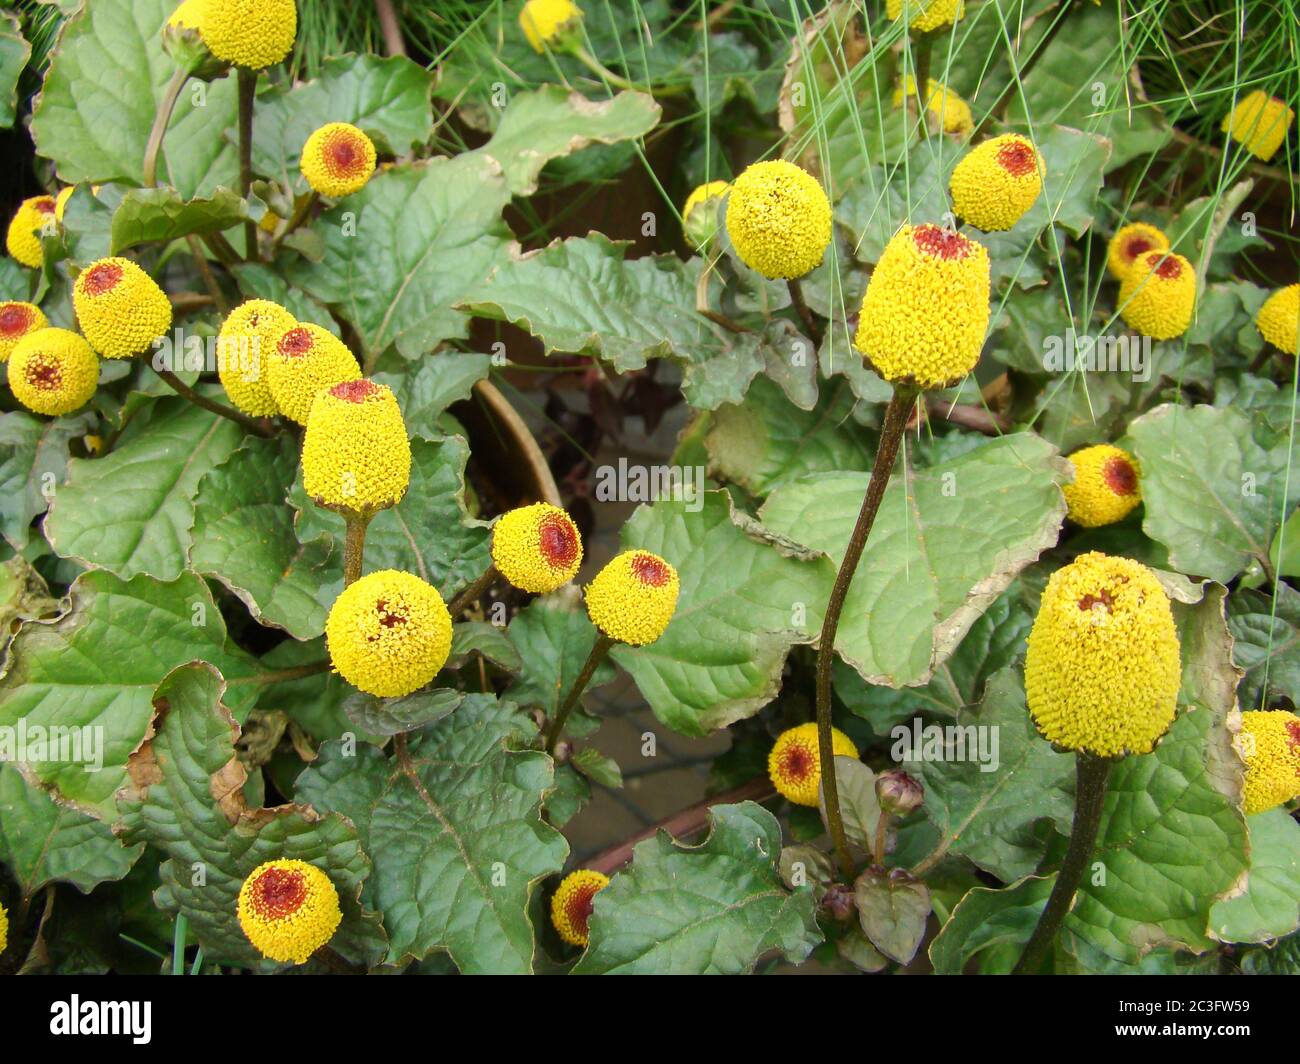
1129, 242
53, 372
779, 219
633, 598
1106, 488
288, 910
572, 904
120, 308
1279, 318
549, 23
254, 34
949, 110
1269, 743
794, 765
306, 360
997, 181
17, 319
338, 159
356, 456
926, 16
244, 345
1260, 123
1157, 297
537, 548
23, 238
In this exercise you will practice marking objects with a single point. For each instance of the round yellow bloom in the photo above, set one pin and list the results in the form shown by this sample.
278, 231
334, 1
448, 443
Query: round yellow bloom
996, 182
1128, 243
1269, 741
356, 455
306, 360
779, 219
1260, 123
4, 929
244, 345
23, 240
700, 214
926, 308
794, 764
537, 548
389, 633
288, 910
572, 904
249, 33
16, 321
1278, 318
53, 372
120, 309
548, 22
1106, 486
926, 15
1158, 295
338, 159
189, 15
1103, 666
950, 110
633, 598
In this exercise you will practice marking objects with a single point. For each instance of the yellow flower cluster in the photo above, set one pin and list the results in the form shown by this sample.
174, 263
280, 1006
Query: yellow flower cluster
389, 633
17, 319
119, 307
537, 548
23, 239
700, 214
949, 109
547, 22
1106, 486
53, 372
305, 360
1279, 317
1158, 295
1128, 243
926, 307
189, 15
926, 15
338, 159
288, 910
1269, 742
355, 454
997, 182
1103, 665
1259, 122
794, 765
249, 33
779, 219
633, 598
4, 929
572, 904
244, 346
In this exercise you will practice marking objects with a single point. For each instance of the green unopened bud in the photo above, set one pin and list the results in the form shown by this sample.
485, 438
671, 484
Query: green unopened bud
898, 793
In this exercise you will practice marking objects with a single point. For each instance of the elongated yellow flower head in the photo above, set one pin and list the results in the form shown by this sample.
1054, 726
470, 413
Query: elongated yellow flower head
926, 15
389, 633
949, 109
4, 929
537, 548
549, 22
249, 33
1269, 741
306, 360
1158, 295
23, 240
926, 308
120, 309
633, 598
16, 321
1106, 486
794, 764
1128, 243
997, 181
1278, 318
1103, 665
1260, 123
189, 15
700, 214
244, 346
288, 910
53, 372
338, 159
61, 201
356, 454
779, 219
572, 904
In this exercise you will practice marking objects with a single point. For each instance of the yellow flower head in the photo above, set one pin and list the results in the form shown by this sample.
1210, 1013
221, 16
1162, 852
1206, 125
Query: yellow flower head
1157, 296
4, 929
120, 309
926, 15
61, 201
338, 159
249, 33
795, 767
16, 321
549, 22
53, 372
23, 239
571, 906
356, 454
248, 337
950, 110
1102, 670
1128, 243
288, 910
1259, 122
633, 598
1269, 741
700, 214
306, 360
189, 15
926, 307
997, 181
1106, 487
389, 633
779, 219
537, 548
1278, 318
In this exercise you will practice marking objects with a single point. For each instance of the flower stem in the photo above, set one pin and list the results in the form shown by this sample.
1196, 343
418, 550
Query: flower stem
805, 312
1091, 773
354, 546
161, 119
597, 655
924, 42
300, 214
882, 836
472, 593
247, 93
248, 424
891, 435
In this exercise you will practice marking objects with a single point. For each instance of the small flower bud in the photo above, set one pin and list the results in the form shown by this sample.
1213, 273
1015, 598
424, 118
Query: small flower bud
898, 793
838, 902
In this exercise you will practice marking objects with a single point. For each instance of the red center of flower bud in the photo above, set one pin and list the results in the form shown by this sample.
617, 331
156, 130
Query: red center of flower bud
941, 243
1170, 268
295, 343
557, 540
1120, 476
1101, 598
650, 570
388, 618
354, 391
580, 906
1135, 246
44, 373
343, 155
44, 205
797, 763
14, 319
278, 892
1017, 158
102, 278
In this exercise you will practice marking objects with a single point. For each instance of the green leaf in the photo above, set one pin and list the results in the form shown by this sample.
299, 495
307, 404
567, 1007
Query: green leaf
1270, 906
14, 53
392, 716
990, 919
24, 596
598, 767
893, 909
161, 214
472, 638
859, 807
553, 637
433, 384
1266, 644
711, 909
33, 466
